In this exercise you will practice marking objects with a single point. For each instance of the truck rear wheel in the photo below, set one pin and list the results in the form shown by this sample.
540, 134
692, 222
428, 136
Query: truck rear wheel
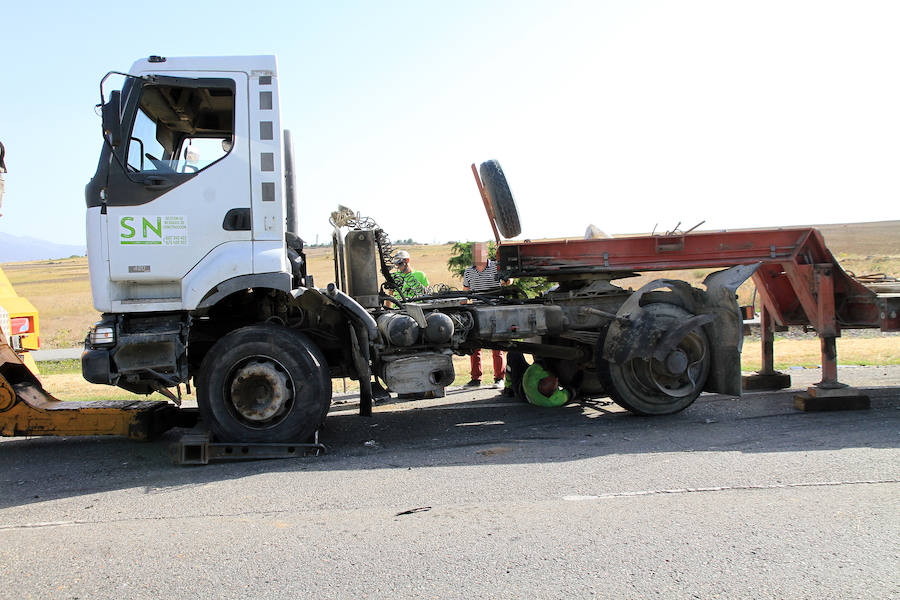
264, 383
654, 387
506, 215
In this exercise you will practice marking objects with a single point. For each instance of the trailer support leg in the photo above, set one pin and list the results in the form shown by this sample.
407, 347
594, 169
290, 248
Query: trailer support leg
829, 364
830, 394
767, 378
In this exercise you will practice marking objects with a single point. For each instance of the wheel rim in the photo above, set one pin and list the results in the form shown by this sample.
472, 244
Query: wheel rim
664, 386
259, 392
677, 376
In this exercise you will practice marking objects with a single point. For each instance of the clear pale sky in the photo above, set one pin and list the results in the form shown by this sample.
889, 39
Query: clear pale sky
623, 114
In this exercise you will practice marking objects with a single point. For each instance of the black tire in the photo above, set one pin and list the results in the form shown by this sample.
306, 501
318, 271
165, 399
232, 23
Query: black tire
506, 215
264, 383
648, 387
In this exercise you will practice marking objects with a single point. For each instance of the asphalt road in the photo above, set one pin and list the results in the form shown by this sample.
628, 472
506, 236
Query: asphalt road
474, 496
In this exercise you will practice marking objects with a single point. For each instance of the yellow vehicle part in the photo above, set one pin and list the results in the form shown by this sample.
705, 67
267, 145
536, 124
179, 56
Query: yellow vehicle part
27, 409
28, 361
18, 306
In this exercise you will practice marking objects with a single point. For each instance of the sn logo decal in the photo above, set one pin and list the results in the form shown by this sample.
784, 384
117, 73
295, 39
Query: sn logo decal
143, 230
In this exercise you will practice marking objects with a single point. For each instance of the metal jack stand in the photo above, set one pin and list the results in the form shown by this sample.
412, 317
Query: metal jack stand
830, 394
819, 301
197, 448
767, 378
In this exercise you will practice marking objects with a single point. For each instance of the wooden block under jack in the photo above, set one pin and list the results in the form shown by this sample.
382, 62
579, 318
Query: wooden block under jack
822, 399
766, 382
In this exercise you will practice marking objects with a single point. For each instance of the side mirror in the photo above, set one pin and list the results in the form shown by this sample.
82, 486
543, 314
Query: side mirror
112, 125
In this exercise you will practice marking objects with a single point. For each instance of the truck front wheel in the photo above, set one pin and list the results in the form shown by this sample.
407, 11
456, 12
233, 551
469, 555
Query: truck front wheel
264, 383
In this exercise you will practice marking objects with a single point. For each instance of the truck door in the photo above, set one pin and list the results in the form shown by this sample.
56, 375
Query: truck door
182, 186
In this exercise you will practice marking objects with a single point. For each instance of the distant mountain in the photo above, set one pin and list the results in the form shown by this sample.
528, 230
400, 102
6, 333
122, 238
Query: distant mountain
14, 248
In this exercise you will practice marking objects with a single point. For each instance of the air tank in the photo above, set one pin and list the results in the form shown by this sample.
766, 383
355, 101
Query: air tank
438, 328
399, 329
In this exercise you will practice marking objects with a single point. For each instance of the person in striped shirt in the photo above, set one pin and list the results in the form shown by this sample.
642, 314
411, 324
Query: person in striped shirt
483, 275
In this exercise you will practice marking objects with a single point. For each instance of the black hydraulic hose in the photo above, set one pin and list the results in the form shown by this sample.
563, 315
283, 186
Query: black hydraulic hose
484, 297
385, 252
355, 308
388, 298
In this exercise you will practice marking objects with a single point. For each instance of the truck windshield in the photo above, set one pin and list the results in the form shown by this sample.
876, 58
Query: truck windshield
181, 129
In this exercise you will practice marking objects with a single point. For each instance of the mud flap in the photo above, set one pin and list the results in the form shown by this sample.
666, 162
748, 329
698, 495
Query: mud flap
726, 332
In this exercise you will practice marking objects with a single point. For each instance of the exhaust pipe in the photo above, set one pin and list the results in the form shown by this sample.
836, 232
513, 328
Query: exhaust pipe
292, 221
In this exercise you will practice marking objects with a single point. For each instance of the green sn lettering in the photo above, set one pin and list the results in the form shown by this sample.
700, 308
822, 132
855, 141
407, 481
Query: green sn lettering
157, 230
128, 227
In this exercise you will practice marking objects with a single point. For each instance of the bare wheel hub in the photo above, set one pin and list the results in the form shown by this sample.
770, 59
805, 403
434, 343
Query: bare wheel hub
676, 362
260, 391
676, 376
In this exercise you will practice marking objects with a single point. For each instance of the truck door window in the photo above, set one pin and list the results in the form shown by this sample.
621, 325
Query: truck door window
181, 129
198, 153
143, 141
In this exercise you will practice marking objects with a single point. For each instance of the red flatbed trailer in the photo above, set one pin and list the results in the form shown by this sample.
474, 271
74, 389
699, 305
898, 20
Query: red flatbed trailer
798, 279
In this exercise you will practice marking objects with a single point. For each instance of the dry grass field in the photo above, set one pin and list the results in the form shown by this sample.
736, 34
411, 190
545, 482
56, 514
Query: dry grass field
60, 290
430, 259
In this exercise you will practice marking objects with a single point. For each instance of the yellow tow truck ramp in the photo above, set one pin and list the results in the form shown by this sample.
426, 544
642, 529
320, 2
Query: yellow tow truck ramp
27, 409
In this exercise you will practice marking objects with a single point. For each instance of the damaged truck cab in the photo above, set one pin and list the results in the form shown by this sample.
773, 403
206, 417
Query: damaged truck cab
197, 266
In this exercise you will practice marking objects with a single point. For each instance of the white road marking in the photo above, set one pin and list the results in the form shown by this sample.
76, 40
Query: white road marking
724, 488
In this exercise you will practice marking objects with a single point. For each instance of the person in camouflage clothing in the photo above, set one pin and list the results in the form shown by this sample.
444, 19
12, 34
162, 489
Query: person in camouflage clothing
412, 283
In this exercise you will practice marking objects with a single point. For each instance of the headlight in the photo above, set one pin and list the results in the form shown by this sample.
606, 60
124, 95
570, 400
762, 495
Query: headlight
102, 335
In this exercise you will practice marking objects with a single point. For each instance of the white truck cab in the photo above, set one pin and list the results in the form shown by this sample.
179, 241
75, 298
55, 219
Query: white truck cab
193, 193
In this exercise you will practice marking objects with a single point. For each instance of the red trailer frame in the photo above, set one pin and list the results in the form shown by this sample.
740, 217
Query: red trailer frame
799, 280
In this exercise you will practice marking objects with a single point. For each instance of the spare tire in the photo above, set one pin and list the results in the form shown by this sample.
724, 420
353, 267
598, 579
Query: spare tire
506, 216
